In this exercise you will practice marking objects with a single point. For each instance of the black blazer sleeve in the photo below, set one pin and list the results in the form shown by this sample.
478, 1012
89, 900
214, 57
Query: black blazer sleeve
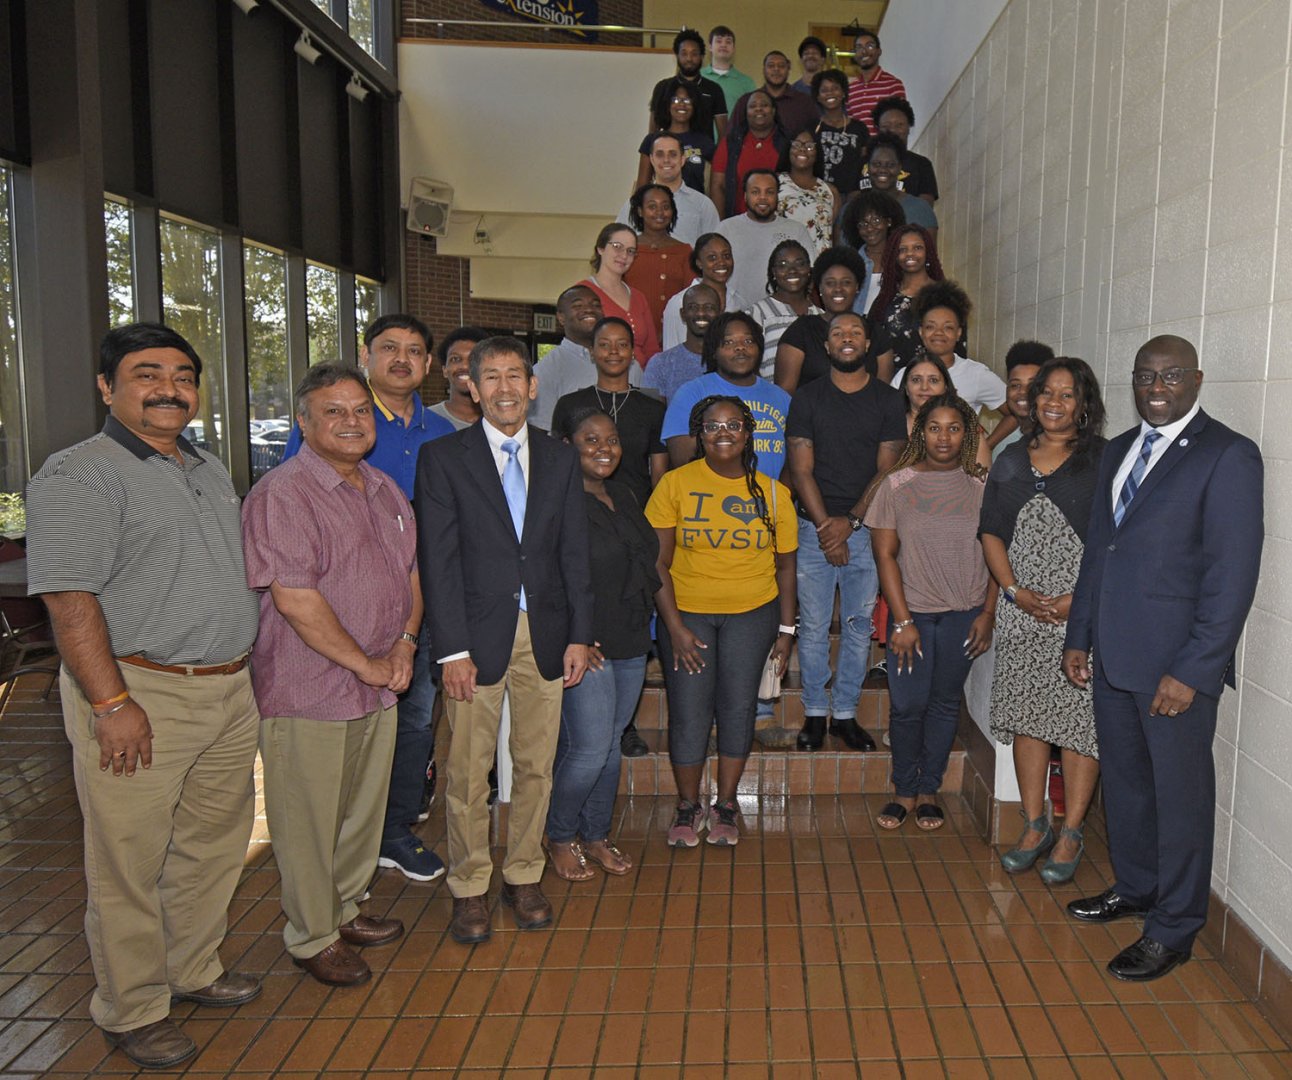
439, 546
576, 565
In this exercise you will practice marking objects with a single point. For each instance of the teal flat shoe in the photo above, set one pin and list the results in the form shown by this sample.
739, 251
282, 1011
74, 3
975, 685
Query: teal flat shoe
1060, 873
1016, 860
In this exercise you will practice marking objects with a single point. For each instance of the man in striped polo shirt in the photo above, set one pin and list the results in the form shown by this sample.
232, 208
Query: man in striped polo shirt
134, 544
873, 84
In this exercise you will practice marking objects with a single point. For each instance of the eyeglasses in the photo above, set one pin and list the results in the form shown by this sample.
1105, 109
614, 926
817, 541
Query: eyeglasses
622, 248
712, 427
790, 264
1171, 376
874, 221
680, 101
869, 46
802, 146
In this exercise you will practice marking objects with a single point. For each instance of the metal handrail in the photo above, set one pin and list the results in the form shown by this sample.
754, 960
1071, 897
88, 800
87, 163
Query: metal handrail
609, 28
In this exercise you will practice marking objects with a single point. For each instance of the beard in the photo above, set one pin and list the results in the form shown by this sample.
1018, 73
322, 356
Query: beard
848, 366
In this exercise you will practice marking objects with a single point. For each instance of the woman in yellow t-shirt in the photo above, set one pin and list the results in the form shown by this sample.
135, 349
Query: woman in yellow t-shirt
727, 537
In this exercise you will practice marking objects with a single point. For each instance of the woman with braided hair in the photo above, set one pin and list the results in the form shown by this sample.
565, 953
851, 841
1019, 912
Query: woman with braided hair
923, 524
727, 540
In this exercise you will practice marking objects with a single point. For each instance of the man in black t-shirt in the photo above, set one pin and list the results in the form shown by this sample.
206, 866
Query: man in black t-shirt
842, 431
688, 47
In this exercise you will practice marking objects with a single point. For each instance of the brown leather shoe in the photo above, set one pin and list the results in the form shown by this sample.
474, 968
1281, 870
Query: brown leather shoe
528, 904
363, 931
228, 990
154, 1046
470, 923
337, 965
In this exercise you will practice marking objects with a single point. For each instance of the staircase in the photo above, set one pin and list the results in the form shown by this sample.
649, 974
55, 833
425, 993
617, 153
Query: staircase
833, 769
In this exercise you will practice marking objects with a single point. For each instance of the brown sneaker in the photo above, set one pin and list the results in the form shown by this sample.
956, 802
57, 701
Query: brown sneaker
470, 923
228, 990
337, 965
363, 931
528, 905
154, 1046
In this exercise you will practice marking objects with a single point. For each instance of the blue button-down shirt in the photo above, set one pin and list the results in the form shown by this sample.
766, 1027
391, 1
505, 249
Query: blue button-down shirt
398, 444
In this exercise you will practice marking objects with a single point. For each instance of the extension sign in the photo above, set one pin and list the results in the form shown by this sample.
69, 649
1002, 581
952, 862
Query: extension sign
567, 14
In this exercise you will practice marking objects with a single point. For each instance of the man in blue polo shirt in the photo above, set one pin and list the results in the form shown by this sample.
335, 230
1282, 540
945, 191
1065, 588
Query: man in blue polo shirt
396, 356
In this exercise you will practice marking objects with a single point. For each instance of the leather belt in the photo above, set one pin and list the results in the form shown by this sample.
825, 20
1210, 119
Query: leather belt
231, 668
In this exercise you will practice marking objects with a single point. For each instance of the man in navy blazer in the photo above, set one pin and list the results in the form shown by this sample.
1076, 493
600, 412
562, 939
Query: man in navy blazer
502, 538
1169, 572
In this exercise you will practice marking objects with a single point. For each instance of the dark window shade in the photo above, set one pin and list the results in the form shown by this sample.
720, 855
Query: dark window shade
14, 137
322, 153
118, 98
264, 77
366, 174
185, 90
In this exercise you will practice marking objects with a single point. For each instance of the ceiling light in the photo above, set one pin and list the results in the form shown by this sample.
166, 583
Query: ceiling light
305, 49
356, 89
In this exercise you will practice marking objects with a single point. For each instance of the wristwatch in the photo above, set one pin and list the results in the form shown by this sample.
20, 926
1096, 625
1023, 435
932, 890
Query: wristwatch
854, 522
410, 638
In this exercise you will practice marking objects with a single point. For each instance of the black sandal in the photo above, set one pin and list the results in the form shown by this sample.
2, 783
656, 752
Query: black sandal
894, 810
929, 816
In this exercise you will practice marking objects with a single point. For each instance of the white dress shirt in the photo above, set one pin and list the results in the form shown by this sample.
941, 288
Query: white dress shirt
1169, 433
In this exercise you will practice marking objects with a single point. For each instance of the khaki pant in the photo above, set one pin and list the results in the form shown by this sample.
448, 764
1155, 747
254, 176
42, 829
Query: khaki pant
325, 801
163, 848
535, 724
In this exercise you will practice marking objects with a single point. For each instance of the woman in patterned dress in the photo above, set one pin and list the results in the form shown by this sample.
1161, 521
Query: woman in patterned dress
804, 196
1034, 517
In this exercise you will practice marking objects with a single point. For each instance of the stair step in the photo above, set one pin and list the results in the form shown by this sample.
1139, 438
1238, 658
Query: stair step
831, 770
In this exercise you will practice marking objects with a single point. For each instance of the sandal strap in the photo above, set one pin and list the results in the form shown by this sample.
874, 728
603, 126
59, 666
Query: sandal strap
1078, 834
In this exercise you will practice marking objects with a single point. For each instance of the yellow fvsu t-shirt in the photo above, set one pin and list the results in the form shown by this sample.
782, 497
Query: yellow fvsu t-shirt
723, 562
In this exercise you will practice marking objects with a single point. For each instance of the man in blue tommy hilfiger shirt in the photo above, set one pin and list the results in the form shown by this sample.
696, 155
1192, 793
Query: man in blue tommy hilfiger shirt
396, 355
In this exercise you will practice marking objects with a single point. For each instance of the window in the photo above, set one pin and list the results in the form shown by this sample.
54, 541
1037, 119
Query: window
13, 441
322, 313
365, 307
269, 386
361, 24
190, 274
121, 271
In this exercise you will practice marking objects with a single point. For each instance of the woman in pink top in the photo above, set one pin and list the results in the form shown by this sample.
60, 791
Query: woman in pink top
616, 249
923, 524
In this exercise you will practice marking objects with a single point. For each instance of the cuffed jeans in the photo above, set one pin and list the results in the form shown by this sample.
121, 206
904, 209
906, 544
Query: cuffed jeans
414, 744
585, 775
924, 703
726, 687
858, 584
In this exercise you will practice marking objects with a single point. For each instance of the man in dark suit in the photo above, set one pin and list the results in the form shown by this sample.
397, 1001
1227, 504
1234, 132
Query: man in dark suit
502, 538
1170, 567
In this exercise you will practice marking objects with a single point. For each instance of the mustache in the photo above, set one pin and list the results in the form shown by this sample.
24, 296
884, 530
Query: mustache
178, 403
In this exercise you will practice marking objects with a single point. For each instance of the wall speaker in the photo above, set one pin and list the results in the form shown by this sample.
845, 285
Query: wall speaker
429, 205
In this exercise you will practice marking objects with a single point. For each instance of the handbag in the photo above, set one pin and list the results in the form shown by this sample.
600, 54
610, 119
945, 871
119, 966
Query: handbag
769, 686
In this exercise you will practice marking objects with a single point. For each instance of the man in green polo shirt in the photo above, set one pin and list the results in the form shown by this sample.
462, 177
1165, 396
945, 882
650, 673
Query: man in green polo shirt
722, 51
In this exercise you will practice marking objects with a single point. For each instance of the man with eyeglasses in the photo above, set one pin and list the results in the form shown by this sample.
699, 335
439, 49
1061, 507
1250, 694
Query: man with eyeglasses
1171, 562
873, 84
696, 214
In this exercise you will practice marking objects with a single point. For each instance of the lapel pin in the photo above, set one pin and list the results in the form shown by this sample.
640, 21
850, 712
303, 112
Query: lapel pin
1184, 442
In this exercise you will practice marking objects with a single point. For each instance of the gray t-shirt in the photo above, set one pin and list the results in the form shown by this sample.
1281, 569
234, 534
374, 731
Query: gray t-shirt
442, 409
752, 243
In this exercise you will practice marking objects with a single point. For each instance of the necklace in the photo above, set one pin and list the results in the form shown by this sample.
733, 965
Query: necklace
615, 403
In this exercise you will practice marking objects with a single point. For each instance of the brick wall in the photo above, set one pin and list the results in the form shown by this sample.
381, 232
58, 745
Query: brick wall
438, 288
619, 12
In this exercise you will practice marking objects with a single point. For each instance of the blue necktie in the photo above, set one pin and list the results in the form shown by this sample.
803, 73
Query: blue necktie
513, 486
1136, 476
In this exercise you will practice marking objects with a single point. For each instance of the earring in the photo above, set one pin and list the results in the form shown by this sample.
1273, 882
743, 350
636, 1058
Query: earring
1081, 424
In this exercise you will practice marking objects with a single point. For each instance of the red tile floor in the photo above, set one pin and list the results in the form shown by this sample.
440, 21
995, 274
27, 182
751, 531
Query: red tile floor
820, 946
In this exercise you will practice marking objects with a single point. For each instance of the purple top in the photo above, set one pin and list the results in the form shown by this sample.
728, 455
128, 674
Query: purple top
306, 528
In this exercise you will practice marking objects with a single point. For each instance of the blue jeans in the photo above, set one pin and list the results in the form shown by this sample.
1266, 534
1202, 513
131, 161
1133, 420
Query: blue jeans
585, 773
924, 704
414, 744
725, 688
858, 585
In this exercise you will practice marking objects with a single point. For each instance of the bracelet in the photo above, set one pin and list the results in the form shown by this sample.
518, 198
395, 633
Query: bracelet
115, 708
788, 630
902, 625
111, 701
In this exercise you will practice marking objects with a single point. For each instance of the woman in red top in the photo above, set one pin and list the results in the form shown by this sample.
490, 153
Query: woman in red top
663, 264
755, 144
616, 249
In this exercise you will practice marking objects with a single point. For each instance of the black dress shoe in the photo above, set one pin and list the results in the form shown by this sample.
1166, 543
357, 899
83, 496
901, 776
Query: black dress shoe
851, 734
631, 744
812, 737
1145, 960
1105, 907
